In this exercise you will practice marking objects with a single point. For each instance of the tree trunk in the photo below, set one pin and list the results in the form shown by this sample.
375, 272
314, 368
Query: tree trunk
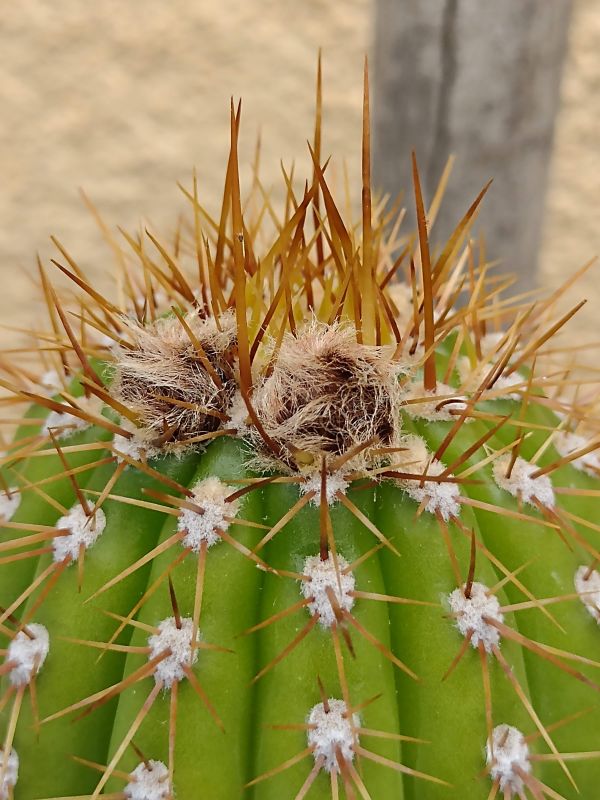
478, 79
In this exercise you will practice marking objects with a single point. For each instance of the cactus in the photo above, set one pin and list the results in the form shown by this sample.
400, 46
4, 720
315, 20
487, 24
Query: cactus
291, 520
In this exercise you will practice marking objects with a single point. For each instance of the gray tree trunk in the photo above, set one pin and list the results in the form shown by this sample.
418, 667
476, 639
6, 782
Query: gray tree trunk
479, 79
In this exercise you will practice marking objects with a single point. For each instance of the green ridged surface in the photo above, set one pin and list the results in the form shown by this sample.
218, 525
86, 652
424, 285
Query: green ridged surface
450, 715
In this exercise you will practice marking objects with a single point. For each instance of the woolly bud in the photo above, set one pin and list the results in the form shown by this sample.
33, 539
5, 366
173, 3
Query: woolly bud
326, 395
177, 378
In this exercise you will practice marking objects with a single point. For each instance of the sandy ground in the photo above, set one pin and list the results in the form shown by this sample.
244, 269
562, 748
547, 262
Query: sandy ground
123, 98
572, 225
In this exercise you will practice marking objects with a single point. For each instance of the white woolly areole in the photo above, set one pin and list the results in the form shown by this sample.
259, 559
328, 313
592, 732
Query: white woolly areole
135, 447
323, 576
238, 414
567, 443
563, 412
507, 382
587, 585
442, 496
27, 653
82, 530
490, 341
210, 495
413, 455
520, 483
149, 782
64, 424
51, 382
11, 773
331, 731
472, 612
9, 504
401, 293
471, 379
443, 401
505, 754
335, 483
179, 642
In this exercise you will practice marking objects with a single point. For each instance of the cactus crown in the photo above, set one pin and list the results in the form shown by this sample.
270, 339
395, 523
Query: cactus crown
310, 518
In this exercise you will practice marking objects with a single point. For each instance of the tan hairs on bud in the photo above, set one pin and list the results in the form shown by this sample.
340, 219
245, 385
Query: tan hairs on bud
178, 378
327, 394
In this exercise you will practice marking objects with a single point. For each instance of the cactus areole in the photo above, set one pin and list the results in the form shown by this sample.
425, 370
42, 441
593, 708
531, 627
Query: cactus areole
307, 508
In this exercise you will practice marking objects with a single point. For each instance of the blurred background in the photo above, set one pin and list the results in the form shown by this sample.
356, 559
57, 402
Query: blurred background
123, 98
